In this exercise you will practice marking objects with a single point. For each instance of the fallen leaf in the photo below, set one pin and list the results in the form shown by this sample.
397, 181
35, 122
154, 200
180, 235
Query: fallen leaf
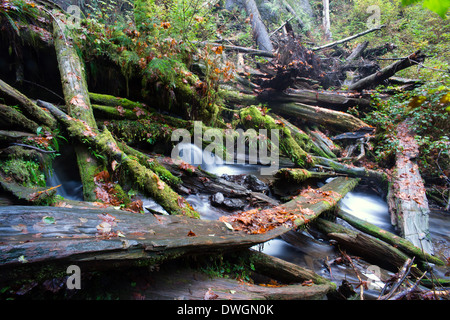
210, 295
191, 234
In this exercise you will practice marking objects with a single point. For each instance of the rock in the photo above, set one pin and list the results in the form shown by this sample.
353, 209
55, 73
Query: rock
234, 204
253, 183
217, 199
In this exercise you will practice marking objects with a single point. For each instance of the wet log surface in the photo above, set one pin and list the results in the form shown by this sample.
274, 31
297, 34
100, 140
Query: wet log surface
87, 234
408, 203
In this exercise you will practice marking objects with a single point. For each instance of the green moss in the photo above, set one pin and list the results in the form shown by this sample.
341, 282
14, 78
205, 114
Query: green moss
252, 117
24, 172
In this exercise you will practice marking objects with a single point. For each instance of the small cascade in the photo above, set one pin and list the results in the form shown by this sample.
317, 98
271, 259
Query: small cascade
368, 206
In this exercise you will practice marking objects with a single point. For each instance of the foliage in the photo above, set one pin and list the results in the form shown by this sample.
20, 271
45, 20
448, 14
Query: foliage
410, 28
425, 106
438, 6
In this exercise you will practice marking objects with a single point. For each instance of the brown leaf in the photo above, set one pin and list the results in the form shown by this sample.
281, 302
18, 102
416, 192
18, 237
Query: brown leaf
191, 234
210, 295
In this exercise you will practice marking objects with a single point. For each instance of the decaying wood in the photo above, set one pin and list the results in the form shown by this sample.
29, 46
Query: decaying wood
388, 237
77, 101
51, 234
335, 119
327, 99
299, 175
332, 44
259, 29
28, 106
380, 76
407, 200
370, 248
105, 144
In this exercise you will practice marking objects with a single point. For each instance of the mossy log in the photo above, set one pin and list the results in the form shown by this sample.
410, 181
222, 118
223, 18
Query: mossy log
30, 109
284, 271
13, 119
146, 179
300, 175
252, 118
352, 171
390, 238
76, 96
369, 248
304, 140
74, 235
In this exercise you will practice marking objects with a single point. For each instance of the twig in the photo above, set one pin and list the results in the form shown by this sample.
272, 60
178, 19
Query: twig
361, 282
277, 29
401, 277
400, 295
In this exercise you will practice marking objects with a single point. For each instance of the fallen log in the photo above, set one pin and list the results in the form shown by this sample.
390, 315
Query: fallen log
86, 234
332, 44
105, 144
369, 248
299, 175
333, 119
189, 284
292, 214
29, 107
387, 72
328, 99
12, 119
390, 238
407, 198
284, 271
76, 97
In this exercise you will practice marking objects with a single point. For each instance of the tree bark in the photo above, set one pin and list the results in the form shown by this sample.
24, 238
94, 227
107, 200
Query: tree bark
372, 249
77, 101
326, 19
394, 240
407, 200
29, 107
259, 29
384, 74
332, 44
335, 119
146, 179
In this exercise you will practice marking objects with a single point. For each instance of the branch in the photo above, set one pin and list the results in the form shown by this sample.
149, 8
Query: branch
332, 44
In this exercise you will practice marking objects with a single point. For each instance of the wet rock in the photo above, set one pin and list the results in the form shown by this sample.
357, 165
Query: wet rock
217, 199
253, 183
234, 204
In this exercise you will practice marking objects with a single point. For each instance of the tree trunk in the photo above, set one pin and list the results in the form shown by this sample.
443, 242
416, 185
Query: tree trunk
259, 29
407, 200
372, 249
384, 74
396, 241
335, 119
326, 19
77, 101
146, 179
332, 44
28, 106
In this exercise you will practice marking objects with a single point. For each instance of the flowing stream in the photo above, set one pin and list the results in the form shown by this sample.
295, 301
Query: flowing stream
304, 248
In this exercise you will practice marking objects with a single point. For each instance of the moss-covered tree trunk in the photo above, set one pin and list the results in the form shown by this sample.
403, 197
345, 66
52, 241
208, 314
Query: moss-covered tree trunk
77, 100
